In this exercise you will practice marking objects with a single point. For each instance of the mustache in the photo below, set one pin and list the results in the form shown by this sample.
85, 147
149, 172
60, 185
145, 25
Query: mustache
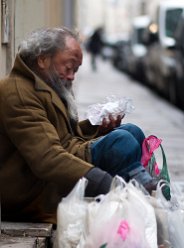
54, 77
57, 83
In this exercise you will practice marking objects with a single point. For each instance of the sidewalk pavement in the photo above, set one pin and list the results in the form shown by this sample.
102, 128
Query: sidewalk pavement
152, 113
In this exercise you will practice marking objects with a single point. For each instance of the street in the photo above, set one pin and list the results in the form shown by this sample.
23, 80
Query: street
152, 113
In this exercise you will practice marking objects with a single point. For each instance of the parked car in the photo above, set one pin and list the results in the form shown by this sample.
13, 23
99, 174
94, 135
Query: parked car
129, 53
160, 65
137, 48
121, 53
176, 89
112, 43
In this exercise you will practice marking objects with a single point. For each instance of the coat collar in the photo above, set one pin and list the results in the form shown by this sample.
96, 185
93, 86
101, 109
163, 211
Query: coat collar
22, 69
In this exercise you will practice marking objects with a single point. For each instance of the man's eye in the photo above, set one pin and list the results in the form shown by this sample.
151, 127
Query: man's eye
69, 67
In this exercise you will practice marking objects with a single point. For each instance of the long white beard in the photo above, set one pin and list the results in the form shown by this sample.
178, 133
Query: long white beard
64, 89
68, 96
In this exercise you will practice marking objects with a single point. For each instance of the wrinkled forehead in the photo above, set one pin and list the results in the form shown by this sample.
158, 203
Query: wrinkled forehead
73, 48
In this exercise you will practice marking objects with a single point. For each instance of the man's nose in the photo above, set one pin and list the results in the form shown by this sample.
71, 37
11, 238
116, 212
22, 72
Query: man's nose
71, 76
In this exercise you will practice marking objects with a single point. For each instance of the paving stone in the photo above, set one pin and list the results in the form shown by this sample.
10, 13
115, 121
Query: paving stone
26, 229
26, 242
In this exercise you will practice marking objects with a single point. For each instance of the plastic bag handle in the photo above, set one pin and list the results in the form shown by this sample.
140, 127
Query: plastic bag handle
164, 174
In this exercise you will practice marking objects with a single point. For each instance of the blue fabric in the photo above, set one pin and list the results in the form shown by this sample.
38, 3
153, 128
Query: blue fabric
119, 152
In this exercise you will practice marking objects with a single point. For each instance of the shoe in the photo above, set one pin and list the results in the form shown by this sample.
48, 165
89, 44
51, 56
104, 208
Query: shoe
151, 185
143, 177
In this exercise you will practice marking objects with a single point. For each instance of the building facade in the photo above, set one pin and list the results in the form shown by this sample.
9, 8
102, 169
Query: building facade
19, 17
114, 15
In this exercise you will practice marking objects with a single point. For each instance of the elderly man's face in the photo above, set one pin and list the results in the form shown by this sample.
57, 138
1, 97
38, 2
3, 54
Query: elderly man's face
59, 72
64, 63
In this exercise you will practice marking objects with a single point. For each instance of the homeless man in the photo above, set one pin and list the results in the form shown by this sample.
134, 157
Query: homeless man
45, 150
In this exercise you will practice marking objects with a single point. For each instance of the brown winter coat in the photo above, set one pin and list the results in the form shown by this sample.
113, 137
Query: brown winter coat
40, 158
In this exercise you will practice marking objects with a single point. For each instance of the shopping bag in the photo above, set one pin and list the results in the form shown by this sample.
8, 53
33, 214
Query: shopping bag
149, 146
170, 218
121, 219
71, 213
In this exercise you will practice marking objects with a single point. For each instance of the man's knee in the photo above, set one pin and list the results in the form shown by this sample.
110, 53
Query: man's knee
134, 130
125, 142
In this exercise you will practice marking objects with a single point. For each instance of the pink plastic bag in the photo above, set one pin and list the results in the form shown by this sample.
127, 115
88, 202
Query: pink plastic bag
149, 145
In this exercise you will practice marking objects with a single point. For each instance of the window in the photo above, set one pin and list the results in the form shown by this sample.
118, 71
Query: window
172, 18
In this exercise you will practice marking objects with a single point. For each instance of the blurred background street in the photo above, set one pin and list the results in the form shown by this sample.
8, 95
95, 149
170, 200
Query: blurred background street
132, 49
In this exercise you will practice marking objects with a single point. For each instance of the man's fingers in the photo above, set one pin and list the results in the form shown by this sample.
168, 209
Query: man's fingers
104, 122
112, 122
119, 118
111, 118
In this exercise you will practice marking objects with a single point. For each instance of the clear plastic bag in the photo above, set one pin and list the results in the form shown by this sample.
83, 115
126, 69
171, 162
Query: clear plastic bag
71, 215
170, 218
112, 105
145, 212
122, 219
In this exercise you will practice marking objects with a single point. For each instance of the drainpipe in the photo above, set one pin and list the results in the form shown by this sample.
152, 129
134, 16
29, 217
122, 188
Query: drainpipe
69, 13
0, 214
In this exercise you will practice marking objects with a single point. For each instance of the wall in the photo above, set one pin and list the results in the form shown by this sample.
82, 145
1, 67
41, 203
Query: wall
33, 14
2, 55
27, 15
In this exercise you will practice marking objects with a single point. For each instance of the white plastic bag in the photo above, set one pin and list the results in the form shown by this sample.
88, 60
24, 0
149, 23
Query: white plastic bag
112, 105
145, 212
170, 218
71, 215
123, 218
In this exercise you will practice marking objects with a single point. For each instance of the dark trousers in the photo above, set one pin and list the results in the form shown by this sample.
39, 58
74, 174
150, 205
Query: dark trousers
119, 152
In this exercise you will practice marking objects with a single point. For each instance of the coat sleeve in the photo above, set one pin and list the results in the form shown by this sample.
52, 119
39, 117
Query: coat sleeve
88, 129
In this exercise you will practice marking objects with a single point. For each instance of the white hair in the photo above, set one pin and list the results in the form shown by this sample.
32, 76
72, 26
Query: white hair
45, 41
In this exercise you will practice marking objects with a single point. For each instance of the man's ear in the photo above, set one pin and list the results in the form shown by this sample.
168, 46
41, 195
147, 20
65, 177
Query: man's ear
43, 61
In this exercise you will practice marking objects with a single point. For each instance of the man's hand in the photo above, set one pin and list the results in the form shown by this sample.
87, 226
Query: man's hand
110, 123
99, 182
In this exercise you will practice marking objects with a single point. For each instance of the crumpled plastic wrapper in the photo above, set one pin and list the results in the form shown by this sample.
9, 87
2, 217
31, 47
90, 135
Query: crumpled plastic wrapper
112, 105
